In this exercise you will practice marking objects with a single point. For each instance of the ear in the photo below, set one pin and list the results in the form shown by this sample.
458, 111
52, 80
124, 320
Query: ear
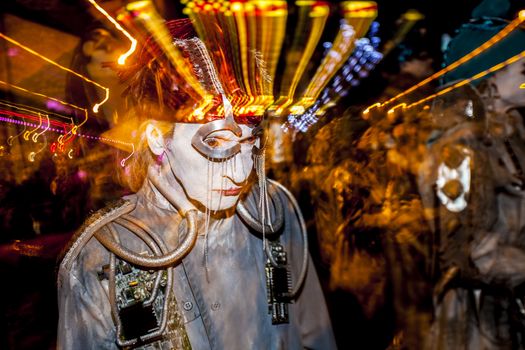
155, 139
88, 47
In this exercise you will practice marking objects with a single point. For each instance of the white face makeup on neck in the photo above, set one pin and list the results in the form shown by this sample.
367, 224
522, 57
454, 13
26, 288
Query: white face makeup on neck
216, 185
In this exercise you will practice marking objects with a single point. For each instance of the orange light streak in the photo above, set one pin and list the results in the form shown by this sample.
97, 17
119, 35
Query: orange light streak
28, 133
12, 119
50, 98
36, 135
11, 138
96, 106
375, 105
122, 59
31, 156
401, 105
145, 12
496, 38
34, 110
466, 81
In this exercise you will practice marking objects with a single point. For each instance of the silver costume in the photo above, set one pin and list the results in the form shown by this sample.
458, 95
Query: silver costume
218, 305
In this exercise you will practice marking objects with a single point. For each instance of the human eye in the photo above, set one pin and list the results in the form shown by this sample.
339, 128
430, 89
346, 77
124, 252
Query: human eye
212, 142
218, 139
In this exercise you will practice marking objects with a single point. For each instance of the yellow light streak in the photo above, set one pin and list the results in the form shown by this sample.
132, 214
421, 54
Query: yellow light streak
28, 133
31, 156
466, 81
359, 15
310, 26
496, 38
37, 134
52, 99
375, 105
122, 59
401, 105
62, 140
96, 106
146, 13
33, 110
522, 86
11, 138
335, 58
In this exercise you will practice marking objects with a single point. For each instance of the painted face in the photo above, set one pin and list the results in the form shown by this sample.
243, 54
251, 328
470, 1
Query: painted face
216, 184
508, 82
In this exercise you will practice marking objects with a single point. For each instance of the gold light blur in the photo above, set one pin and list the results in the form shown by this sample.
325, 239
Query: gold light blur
36, 135
312, 16
360, 15
464, 82
35, 111
33, 52
28, 133
122, 59
401, 105
52, 99
489, 43
246, 49
146, 13
357, 15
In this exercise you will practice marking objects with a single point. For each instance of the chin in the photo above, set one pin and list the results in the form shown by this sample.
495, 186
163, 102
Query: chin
227, 203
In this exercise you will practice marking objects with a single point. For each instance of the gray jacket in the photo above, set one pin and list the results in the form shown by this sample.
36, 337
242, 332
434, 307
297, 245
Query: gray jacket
227, 310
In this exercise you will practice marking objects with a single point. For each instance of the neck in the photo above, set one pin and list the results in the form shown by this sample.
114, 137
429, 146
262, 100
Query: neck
168, 190
150, 192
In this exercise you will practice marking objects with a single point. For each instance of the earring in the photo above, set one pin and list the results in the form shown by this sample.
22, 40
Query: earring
160, 158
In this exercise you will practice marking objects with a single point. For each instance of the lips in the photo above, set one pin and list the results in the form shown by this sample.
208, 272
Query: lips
234, 191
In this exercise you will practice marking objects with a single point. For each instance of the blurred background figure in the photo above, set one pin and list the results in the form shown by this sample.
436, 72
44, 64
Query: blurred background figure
472, 181
95, 57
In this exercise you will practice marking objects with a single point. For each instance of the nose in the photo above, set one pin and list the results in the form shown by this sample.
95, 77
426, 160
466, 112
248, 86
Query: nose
239, 167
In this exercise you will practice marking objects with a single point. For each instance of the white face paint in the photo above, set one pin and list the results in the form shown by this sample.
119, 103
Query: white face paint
215, 185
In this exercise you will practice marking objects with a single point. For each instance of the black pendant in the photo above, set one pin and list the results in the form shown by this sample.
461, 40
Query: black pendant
278, 283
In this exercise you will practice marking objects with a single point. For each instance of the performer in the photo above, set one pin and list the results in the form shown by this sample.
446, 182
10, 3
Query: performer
207, 253
473, 178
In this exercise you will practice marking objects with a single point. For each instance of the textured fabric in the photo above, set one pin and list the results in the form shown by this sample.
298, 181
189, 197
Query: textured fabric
224, 307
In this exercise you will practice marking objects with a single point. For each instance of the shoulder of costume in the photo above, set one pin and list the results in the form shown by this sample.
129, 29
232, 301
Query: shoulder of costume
290, 204
284, 193
94, 223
